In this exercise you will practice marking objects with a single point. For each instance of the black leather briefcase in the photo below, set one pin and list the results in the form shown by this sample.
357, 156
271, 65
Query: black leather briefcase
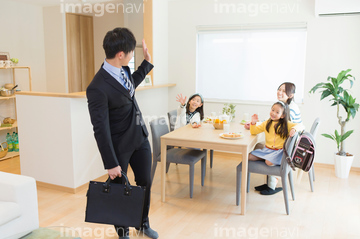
115, 204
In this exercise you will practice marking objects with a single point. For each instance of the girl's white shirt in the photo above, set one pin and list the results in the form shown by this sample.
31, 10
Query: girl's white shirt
181, 117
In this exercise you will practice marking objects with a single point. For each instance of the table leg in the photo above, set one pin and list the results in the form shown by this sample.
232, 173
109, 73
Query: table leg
163, 168
244, 180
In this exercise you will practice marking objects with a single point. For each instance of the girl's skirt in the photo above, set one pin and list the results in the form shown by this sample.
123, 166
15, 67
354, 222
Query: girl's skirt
271, 155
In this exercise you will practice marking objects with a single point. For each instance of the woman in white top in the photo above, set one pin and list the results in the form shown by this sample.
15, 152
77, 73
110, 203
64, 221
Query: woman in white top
192, 112
285, 93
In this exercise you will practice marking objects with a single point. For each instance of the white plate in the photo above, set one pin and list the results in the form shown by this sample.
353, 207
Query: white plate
241, 136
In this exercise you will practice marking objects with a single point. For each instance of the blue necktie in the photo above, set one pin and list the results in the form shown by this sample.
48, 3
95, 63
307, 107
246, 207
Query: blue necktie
128, 83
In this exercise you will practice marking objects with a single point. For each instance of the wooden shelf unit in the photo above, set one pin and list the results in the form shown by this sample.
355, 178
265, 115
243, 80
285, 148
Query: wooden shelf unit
14, 125
10, 155
13, 68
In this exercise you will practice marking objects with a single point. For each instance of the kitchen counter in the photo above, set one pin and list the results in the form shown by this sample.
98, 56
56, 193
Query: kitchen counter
57, 144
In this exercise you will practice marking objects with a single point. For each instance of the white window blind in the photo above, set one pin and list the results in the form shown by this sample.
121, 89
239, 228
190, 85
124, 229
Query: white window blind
248, 63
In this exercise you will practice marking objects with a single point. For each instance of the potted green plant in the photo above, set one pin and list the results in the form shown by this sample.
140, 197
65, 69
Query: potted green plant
333, 88
229, 109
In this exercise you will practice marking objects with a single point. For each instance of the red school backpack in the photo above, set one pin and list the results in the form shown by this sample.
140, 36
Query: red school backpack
303, 152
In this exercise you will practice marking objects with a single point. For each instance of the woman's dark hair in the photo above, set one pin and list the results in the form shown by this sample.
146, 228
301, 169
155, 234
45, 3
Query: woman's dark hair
199, 109
289, 90
281, 128
119, 39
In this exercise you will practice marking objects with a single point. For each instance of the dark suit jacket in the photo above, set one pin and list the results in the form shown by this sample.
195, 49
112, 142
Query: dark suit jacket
117, 121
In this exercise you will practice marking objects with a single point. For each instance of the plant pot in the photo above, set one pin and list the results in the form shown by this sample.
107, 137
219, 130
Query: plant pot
343, 165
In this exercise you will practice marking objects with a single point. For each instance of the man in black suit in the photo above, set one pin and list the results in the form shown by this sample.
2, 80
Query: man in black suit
119, 129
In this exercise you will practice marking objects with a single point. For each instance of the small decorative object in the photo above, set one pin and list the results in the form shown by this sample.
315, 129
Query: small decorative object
3, 149
219, 124
5, 92
340, 96
8, 63
14, 61
229, 109
4, 56
147, 80
9, 86
8, 120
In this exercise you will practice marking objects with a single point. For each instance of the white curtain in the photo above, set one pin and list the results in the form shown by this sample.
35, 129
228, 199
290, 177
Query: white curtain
248, 64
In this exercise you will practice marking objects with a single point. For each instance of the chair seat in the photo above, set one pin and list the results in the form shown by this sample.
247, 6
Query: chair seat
184, 156
261, 167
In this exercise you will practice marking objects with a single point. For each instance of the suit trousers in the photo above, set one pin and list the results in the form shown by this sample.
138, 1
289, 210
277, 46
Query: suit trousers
140, 162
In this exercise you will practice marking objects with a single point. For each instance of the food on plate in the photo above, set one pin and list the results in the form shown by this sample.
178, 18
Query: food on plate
232, 135
243, 121
207, 120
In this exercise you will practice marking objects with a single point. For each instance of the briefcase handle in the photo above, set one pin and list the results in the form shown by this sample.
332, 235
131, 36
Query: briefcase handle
127, 188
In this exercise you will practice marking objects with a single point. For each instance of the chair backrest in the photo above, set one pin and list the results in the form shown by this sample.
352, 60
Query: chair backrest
315, 127
172, 115
158, 128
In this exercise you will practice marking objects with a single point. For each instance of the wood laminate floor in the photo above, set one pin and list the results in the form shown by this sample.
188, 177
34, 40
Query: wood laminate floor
332, 211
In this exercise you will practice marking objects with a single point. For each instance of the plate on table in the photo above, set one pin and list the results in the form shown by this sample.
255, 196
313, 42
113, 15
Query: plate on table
231, 135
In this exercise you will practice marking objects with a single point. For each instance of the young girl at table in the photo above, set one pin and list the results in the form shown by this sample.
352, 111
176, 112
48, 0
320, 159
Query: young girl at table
285, 93
191, 112
277, 128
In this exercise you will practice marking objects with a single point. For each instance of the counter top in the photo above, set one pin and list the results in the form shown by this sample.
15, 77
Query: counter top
50, 94
82, 94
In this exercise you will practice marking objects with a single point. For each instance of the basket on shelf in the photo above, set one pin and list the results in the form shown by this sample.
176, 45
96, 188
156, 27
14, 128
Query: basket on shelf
3, 150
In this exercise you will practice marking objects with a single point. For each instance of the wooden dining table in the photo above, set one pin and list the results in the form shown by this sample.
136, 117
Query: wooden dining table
206, 137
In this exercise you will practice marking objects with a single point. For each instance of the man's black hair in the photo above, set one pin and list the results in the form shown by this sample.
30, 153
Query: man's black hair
119, 39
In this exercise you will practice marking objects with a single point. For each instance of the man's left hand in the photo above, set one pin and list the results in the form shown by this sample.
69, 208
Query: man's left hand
145, 51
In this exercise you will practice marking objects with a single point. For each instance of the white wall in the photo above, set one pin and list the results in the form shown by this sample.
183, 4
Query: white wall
22, 35
55, 49
160, 42
154, 103
333, 45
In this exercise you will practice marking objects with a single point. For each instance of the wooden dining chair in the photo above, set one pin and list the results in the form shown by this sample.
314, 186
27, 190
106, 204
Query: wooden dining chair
190, 157
260, 167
